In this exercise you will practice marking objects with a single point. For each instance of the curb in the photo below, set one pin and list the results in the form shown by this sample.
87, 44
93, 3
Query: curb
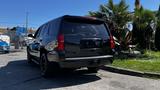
130, 72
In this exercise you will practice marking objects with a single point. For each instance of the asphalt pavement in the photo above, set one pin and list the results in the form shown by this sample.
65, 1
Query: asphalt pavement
17, 74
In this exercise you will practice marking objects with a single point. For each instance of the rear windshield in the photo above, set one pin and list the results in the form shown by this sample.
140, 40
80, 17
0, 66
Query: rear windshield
86, 30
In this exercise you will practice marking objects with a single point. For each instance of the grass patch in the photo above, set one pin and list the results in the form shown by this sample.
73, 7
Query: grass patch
153, 54
148, 62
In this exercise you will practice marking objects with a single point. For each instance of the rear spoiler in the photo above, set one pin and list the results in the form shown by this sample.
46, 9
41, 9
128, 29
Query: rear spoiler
86, 19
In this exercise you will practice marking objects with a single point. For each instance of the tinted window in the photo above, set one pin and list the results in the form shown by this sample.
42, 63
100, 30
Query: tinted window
54, 28
44, 30
85, 29
37, 33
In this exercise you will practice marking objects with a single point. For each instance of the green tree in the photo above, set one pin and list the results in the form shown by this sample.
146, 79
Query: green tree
142, 31
116, 15
157, 34
137, 4
115, 12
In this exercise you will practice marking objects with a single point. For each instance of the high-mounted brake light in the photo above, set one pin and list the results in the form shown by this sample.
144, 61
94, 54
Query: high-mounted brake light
60, 42
92, 18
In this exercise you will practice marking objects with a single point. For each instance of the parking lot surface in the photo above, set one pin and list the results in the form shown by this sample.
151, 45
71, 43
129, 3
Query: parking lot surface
17, 74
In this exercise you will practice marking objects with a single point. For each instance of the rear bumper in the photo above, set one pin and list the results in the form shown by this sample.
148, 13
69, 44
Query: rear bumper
95, 61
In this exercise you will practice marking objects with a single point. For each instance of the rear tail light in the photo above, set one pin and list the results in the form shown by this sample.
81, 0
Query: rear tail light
112, 44
60, 42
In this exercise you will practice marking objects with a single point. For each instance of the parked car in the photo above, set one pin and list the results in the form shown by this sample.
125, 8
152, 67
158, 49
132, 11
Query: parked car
71, 42
4, 43
27, 40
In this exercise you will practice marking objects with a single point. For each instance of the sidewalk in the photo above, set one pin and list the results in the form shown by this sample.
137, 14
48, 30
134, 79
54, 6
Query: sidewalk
130, 72
12, 49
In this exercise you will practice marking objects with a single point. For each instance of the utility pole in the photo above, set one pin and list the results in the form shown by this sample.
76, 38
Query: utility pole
27, 15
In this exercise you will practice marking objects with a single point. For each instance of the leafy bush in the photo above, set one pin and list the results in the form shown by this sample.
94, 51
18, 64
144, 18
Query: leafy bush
157, 36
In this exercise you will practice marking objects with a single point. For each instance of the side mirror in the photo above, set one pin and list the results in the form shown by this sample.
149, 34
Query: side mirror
30, 35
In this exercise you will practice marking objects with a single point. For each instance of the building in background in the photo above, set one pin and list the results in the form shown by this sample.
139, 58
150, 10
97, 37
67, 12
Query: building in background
3, 30
16, 32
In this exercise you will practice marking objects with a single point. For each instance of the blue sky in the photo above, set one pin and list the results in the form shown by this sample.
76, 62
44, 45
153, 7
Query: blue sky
12, 12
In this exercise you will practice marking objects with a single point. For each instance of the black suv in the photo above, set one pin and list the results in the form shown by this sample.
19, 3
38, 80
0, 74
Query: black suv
71, 42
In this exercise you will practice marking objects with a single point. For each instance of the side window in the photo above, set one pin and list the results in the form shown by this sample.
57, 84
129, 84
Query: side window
37, 33
54, 28
47, 30
43, 31
51, 29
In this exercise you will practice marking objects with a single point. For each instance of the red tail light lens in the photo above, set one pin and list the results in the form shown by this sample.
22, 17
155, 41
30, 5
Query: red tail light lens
60, 42
112, 44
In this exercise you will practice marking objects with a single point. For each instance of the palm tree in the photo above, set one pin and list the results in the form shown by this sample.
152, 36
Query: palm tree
117, 15
137, 4
142, 31
115, 12
157, 34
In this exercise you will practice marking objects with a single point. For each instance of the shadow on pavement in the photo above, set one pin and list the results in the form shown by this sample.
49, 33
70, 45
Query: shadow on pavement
20, 75
12, 51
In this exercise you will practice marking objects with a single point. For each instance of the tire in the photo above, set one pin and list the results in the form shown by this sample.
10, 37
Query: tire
44, 65
93, 69
6, 52
29, 57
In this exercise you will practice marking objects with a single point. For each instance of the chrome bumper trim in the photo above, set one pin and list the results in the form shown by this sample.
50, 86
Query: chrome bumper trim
94, 57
